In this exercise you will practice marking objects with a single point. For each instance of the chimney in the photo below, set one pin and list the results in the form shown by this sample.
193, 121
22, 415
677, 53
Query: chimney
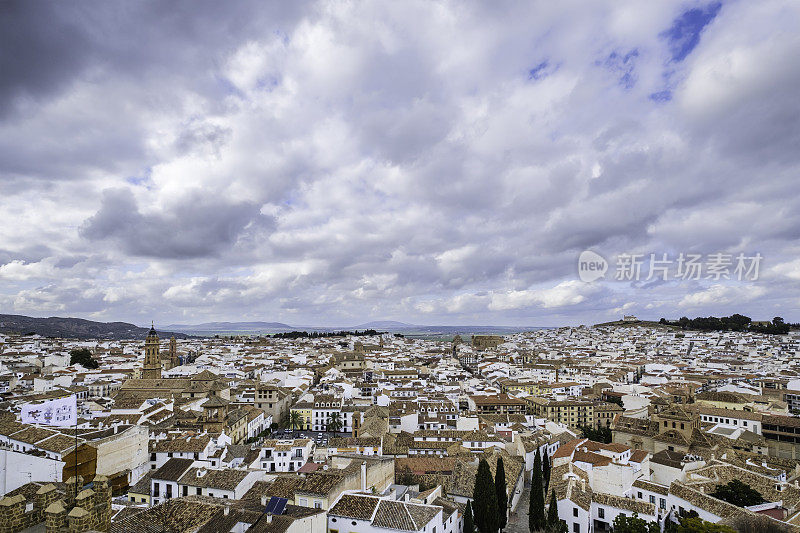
269, 518
363, 475
263, 501
583, 485
227, 510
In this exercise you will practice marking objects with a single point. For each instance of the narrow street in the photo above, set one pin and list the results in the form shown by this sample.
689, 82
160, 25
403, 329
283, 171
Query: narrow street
518, 520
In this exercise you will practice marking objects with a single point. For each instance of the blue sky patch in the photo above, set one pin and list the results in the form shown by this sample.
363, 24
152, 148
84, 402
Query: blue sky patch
623, 64
661, 96
538, 72
684, 34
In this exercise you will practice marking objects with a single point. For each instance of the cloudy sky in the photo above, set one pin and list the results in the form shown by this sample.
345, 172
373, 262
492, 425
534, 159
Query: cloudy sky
336, 162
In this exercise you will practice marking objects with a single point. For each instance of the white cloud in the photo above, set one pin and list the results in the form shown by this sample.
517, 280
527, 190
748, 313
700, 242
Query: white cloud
722, 295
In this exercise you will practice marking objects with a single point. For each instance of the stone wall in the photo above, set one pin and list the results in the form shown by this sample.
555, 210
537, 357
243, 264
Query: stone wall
61, 512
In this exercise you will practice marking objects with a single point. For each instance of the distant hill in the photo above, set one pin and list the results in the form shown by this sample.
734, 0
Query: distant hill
384, 324
646, 323
230, 326
75, 328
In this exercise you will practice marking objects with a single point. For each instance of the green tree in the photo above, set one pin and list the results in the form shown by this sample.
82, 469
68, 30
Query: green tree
485, 500
738, 493
554, 523
469, 524
546, 471
536, 516
83, 357
334, 425
295, 420
633, 524
501, 492
695, 524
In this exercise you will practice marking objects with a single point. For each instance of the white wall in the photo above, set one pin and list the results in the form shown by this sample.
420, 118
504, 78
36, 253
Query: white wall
17, 469
124, 451
467, 423
566, 513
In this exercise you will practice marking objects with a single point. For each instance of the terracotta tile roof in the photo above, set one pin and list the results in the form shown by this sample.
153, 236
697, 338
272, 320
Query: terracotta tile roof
58, 443
177, 515
283, 487
405, 516
225, 479
424, 465
355, 506
321, 483
629, 504
32, 434
652, 487
187, 444
173, 469
638, 456
595, 459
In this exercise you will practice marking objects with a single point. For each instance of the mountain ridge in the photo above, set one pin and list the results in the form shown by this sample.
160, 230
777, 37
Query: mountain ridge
75, 328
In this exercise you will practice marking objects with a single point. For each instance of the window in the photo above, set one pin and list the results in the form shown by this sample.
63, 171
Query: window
652, 499
639, 495
575, 511
156, 490
199, 491
185, 490
601, 513
576, 528
662, 503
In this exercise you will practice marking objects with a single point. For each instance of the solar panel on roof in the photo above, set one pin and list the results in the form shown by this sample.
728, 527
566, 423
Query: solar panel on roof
276, 505
280, 506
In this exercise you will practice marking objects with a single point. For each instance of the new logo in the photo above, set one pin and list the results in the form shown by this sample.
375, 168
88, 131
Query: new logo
591, 266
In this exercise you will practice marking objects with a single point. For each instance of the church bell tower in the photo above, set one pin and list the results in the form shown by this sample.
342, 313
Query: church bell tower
152, 358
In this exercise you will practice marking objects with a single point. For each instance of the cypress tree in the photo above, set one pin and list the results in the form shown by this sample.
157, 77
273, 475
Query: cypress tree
485, 500
546, 471
469, 524
501, 492
536, 516
553, 522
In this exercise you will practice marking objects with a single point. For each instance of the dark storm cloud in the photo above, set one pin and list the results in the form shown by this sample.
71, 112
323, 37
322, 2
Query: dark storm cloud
40, 50
45, 45
27, 254
197, 227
